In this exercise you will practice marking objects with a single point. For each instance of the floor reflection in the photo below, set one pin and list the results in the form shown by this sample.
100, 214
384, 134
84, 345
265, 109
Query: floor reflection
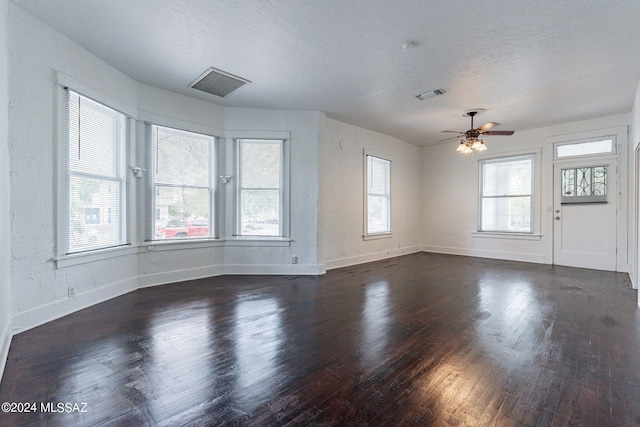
258, 337
504, 320
178, 370
375, 322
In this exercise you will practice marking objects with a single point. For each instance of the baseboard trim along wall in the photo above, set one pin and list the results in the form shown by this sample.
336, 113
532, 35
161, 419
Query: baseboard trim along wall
46, 313
175, 276
376, 256
481, 253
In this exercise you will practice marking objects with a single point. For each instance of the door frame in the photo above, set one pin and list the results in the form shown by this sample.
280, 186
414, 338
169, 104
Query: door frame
620, 137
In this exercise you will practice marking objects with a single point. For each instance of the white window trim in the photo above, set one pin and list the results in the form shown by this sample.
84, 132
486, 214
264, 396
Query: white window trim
366, 152
535, 197
60, 258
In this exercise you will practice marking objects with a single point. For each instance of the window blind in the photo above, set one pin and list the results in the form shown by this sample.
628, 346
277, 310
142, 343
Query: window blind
96, 187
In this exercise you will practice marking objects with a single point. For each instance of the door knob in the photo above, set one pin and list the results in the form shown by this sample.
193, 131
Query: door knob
557, 218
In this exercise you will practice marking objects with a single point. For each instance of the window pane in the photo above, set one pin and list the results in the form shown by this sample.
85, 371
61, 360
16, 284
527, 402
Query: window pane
604, 146
378, 214
260, 212
510, 177
568, 182
378, 195
93, 203
584, 185
260, 163
182, 158
96, 148
511, 214
181, 212
378, 175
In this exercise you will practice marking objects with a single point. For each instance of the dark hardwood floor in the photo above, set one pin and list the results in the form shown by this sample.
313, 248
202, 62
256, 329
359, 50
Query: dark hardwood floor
422, 340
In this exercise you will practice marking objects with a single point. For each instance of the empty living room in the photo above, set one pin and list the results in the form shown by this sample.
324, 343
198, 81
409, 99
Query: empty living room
324, 213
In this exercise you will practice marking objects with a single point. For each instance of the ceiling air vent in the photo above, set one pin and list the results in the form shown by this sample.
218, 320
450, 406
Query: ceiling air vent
217, 82
431, 94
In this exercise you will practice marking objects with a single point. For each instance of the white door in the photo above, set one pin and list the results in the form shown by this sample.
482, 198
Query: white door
585, 205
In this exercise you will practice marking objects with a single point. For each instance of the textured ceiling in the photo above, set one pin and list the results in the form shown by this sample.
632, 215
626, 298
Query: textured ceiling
528, 63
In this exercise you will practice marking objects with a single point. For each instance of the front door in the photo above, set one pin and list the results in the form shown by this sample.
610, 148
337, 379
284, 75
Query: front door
585, 202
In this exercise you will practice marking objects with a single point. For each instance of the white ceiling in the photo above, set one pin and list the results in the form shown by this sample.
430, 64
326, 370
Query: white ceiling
530, 64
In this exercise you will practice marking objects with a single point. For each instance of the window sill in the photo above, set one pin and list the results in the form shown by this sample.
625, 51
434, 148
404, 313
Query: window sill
170, 245
378, 236
179, 244
64, 261
258, 241
509, 236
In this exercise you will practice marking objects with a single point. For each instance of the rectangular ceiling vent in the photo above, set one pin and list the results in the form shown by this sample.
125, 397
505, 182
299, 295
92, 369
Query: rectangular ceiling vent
431, 94
217, 82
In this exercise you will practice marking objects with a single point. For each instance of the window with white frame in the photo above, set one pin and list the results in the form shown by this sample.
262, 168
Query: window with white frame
378, 195
96, 141
506, 194
181, 184
261, 197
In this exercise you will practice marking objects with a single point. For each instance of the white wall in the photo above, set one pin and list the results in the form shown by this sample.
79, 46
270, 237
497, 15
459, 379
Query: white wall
342, 195
5, 196
450, 195
304, 128
39, 289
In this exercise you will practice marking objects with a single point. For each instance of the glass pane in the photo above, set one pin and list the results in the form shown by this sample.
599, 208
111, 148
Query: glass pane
599, 181
182, 158
509, 214
378, 214
583, 181
568, 182
378, 175
260, 213
181, 212
507, 177
94, 216
260, 163
585, 148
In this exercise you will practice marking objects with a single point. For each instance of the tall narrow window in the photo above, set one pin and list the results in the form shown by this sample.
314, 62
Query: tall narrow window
378, 198
260, 198
181, 183
96, 139
506, 194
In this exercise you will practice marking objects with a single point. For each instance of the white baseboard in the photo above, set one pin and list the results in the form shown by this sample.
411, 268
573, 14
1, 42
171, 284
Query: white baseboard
175, 276
266, 269
376, 256
46, 313
481, 253
5, 343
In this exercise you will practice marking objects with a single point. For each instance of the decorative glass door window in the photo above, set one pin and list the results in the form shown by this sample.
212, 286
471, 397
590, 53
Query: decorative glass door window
584, 185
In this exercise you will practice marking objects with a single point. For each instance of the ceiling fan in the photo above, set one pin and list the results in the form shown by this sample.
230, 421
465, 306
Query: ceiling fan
470, 138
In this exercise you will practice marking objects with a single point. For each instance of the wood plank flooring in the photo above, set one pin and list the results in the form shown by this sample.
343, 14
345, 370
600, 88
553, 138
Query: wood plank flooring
420, 340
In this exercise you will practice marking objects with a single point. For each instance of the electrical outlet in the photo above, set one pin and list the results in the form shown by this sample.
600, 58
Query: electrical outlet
71, 292
294, 259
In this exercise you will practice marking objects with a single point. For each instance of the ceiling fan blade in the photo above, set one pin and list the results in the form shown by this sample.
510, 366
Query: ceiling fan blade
488, 126
453, 131
499, 132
